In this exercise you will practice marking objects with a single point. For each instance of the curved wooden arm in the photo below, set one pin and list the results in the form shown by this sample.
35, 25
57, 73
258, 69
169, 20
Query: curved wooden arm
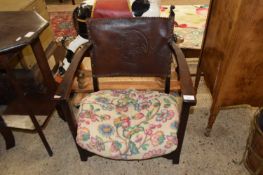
187, 88
64, 89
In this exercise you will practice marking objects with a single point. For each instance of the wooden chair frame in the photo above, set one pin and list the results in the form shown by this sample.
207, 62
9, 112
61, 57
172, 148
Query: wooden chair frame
187, 90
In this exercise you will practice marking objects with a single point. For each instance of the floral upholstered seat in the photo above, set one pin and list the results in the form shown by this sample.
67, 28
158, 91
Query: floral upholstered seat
128, 124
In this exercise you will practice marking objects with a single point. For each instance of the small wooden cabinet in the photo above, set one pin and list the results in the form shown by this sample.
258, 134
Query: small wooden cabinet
232, 55
30, 5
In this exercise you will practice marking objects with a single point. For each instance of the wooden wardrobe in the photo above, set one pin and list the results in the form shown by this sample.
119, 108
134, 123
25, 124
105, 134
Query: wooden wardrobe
232, 55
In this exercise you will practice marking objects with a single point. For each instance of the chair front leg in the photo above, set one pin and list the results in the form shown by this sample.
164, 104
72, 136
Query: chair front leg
175, 155
60, 112
70, 118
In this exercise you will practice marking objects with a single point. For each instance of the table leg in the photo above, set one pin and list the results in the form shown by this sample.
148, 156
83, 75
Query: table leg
43, 65
7, 134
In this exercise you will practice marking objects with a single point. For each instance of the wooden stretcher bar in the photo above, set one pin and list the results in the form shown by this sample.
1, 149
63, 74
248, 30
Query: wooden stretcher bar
140, 83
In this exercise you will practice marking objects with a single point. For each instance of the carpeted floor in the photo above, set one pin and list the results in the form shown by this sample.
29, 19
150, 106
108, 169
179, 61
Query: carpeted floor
216, 155
61, 24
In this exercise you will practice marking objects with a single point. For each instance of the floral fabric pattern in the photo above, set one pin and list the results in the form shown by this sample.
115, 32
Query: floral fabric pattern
128, 124
190, 23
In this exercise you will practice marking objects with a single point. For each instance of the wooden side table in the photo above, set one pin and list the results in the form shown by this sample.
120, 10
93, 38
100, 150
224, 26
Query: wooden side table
17, 30
46, 37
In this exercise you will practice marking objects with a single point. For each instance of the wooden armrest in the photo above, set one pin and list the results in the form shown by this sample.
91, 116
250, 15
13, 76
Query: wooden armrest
64, 89
187, 89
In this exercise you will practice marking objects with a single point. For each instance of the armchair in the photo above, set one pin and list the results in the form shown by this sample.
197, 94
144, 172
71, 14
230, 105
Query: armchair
124, 123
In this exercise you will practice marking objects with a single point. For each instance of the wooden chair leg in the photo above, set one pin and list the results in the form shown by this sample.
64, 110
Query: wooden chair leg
73, 2
68, 113
213, 113
175, 156
60, 112
7, 134
84, 154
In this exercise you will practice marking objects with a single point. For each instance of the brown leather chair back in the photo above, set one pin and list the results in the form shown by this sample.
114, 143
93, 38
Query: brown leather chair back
131, 46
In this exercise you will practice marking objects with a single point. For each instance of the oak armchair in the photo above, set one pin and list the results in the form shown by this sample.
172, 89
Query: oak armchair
130, 124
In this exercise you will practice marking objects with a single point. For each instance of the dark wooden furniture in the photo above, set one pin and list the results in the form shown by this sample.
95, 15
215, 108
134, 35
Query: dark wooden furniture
26, 58
46, 37
144, 35
232, 55
17, 30
7, 134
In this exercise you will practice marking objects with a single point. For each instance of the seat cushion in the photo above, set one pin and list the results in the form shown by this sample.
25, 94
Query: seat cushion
128, 124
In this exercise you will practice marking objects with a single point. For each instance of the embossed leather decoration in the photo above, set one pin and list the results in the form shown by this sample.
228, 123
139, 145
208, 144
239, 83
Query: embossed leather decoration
132, 46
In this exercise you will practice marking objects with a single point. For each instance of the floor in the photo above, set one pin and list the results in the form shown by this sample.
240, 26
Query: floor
219, 154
